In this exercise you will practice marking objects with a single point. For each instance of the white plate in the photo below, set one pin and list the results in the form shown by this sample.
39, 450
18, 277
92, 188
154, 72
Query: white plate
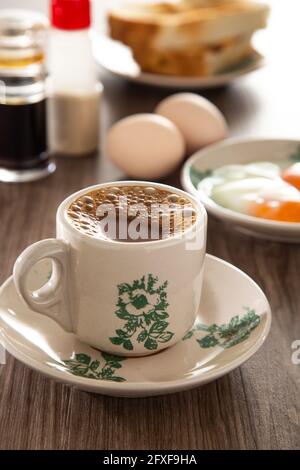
117, 59
203, 356
239, 151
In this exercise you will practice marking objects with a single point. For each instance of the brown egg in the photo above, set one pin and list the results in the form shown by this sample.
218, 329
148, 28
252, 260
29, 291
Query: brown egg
145, 146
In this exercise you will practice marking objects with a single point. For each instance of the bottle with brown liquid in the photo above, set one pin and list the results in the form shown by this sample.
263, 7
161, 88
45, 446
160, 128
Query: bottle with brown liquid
23, 137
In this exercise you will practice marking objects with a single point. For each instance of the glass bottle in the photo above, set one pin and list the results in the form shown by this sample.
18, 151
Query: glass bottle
23, 137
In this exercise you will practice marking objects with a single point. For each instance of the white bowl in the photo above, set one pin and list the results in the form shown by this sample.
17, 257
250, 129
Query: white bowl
239, 151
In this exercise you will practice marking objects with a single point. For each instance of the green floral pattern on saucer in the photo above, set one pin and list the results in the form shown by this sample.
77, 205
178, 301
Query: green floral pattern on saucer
226, 336
83, 365
229, 334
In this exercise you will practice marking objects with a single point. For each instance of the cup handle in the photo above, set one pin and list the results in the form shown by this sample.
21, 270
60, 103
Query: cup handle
52, 299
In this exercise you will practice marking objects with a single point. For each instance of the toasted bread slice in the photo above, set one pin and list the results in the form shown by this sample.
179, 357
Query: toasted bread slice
184, 39
194, 62
175, 26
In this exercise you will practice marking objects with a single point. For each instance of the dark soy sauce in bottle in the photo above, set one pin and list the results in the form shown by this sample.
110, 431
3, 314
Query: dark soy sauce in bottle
23, 131
23, 134
23, 141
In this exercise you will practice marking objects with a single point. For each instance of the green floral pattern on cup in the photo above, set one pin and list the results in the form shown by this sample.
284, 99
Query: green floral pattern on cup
229, 334
142, 306
83, 365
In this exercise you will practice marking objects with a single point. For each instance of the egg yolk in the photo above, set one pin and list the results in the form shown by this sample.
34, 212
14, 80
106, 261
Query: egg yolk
292, 175
282, 211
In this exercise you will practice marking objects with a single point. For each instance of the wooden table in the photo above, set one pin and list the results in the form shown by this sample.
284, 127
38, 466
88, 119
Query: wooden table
253, 407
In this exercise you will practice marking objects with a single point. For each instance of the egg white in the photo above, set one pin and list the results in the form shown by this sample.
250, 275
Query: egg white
236, 187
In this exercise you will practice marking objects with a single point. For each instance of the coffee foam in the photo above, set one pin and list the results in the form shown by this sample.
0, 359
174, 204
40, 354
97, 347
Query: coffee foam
132, 213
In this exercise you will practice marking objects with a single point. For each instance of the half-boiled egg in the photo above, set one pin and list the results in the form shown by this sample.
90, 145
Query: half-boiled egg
258, 189
282, 211
292, 175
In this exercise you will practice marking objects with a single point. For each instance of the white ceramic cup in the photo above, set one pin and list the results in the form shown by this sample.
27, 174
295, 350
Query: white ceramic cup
125, 298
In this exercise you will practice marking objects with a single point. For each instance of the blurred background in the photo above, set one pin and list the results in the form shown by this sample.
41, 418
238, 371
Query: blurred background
275, 87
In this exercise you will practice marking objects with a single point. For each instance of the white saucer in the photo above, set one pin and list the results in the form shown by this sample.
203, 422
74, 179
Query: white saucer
117, 59
242, 151
201, 357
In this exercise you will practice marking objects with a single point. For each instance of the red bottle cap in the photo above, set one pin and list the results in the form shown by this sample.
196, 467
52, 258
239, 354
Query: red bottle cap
70, 14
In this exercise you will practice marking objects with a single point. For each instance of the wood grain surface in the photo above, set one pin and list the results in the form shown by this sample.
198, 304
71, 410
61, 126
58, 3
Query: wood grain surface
257, 406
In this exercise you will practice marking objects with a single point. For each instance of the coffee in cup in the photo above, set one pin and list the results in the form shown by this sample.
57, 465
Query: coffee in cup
132, 213
133, 295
